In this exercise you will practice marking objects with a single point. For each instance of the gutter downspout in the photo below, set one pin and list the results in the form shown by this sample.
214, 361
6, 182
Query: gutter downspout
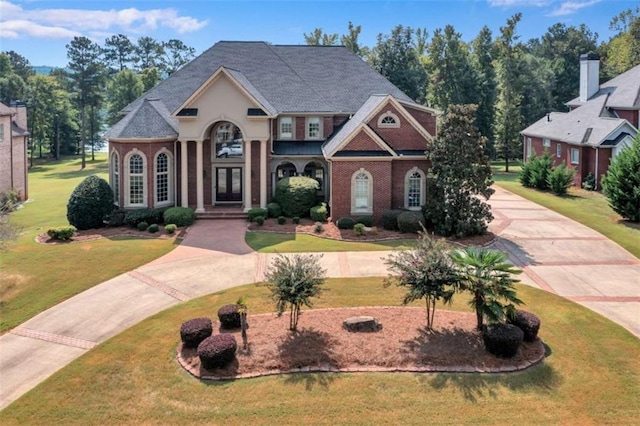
597, 180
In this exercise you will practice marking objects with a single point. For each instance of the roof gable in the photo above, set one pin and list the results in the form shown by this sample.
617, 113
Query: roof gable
149, 120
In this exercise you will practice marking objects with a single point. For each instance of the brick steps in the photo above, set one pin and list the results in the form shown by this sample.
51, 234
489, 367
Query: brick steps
218, 215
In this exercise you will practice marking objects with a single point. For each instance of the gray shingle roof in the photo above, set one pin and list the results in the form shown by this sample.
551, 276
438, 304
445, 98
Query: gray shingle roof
5, 110
150, 118
624, 90
285, 79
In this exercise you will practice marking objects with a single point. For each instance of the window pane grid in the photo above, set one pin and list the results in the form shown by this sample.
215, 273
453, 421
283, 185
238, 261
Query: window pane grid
136, 179
361, 191
415, 190
116, 177
162, 178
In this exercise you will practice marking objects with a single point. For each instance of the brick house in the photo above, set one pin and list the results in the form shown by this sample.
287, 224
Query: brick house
227, 126
13, 149
602, 120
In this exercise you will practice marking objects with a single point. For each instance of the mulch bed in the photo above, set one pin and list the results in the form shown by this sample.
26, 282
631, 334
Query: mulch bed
109, 232
322, 344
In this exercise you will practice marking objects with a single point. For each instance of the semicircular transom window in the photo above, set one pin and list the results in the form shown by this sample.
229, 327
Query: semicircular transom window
388, 119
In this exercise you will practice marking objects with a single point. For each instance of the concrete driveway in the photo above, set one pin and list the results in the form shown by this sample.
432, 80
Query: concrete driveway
556, 254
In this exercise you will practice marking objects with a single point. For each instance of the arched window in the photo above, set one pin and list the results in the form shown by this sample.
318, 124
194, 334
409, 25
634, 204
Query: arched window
414, 189
163, 179
315, 171
136, 188
228, 141
286, 170
389, 120
361, 192
115, 177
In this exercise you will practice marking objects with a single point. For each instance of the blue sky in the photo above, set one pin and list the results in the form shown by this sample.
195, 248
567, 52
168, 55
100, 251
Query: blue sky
40, 29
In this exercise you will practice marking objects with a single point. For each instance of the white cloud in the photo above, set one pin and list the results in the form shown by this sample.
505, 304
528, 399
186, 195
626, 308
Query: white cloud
571, 7
518, 3
54, 22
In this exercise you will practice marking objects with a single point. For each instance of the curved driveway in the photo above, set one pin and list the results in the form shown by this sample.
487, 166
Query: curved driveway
556, 254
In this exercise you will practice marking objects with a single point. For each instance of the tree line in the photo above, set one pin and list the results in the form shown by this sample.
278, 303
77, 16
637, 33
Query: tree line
512, 82
69, 108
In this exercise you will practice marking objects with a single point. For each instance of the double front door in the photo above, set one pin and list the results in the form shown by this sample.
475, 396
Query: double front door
228, 185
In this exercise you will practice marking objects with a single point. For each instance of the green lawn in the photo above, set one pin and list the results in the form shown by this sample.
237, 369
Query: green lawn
34, 276
272, 242
591, 376
586, 207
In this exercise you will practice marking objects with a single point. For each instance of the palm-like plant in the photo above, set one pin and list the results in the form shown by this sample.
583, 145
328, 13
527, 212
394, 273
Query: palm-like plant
487, 275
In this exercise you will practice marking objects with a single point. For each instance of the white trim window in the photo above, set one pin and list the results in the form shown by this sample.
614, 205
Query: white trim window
388, 120
115, 177
285, 128
575, 156
163, 178
314, 128
136, 179
361, 192
546, 142
558, 150
414, 189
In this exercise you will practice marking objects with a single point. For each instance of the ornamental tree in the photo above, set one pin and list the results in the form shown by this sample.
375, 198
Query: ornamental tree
622, 182
460, 175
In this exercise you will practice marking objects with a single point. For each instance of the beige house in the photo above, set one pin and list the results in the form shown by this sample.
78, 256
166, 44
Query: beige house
13, 149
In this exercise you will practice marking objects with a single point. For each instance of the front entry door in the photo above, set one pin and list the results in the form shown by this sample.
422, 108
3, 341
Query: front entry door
229, 184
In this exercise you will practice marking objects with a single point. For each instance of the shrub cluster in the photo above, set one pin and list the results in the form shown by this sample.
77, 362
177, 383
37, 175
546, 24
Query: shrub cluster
539, 173
229, 316
134, 217
9, 201
142, 226
259, 220
62, 233
502, 340
296, 195
365, 220
179, 216
390, 219
274, 210
359, 229
345, 223
411, 222
217, 351
194, 331
170, 228
255, 212
560, 179
319, 213
589, 182
90, 203
528, 323
116, 217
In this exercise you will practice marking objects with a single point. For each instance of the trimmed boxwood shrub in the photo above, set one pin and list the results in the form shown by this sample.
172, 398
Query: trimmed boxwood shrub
345, 223
116, 217
170, 228
259, 220
319, 213
134, 217
365, 220
296, 195
194, 331
359, 228
179, 216
217, 351
153, 228
390, 219
282, 220
229, 317
410, 221
502, 340
91, 202
142, 226
63, 233
528, 323
256, 212
295, 220
274, 209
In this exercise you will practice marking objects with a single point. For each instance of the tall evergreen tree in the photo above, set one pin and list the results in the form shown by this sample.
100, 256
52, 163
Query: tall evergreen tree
12, 86
148, 53
149, 78
350, 41
460, 174
482, 57
21, 65
119, 52
319, 38
176, 55
122, 89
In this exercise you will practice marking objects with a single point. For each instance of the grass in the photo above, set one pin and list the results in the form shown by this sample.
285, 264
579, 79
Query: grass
589, 208
591, 376
271, 242
34, 276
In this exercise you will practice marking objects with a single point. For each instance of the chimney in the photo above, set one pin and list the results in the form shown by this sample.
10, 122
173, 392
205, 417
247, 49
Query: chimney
20, 111
589, 75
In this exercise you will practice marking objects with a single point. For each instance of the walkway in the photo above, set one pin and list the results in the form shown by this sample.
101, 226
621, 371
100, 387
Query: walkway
557, 255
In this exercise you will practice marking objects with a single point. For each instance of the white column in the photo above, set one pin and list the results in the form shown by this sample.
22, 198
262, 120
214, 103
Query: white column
247, 176
184, 174
264, 175
199, 178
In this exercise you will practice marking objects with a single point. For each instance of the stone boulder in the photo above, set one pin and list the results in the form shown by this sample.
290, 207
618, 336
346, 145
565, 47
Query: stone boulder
362, 324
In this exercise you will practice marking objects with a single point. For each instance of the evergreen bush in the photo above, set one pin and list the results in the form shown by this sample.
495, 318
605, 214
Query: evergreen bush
90, 203
560, 179
390, 219
153, 228
359, 229
255, 212
282, 220
259, 220
296, 195
365, 220
274, 210
142, 226
589, 183
411, 222
170, 228
319, 213
622, 182
502, 340
217, 351
63, 233
345, 223
179, 216
194, 331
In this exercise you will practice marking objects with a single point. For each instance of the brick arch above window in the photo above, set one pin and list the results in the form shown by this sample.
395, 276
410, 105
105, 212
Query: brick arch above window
388, 120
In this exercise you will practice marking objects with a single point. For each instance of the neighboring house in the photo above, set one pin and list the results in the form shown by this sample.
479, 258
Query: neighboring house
243, 115
13, 149
601, 121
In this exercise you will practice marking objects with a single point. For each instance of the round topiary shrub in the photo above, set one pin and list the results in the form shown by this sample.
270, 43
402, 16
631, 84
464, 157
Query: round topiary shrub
390, 219
229, 317
259, 220
296, 195
142, 226
502, 340
153, 228
365, 220
217, 351
282, 220
345, 223
91, 202
274, 209
410, 221
179, 216
295, 220
255, 212
170, 228
528, 323
194, 331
